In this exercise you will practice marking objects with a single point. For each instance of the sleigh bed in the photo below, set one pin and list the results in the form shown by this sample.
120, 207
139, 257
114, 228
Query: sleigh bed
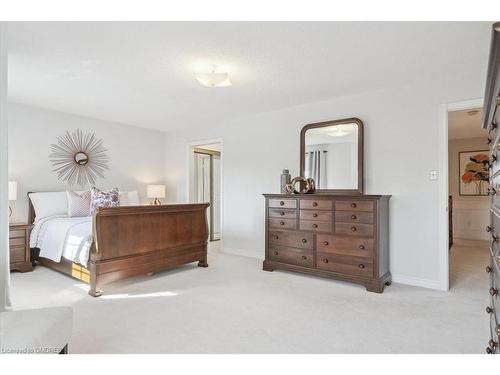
134, 240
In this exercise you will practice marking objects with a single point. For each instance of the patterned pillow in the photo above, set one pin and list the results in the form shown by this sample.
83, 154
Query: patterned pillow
102, 198
78, 203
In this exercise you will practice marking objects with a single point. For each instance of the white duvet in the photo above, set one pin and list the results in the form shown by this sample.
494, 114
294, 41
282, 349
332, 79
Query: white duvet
63, 237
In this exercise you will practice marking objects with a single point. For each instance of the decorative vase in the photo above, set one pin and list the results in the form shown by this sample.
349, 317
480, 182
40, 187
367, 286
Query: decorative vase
285, 180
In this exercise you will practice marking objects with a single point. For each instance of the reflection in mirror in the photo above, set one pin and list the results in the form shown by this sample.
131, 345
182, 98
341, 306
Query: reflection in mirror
331, 156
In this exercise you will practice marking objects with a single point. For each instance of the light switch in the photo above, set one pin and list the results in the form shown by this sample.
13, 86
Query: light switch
433, 175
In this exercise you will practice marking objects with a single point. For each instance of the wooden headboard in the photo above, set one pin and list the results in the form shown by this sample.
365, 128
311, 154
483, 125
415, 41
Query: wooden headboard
31, 210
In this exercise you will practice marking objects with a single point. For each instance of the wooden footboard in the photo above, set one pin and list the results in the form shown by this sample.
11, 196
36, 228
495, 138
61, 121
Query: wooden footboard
139, 240
130, 241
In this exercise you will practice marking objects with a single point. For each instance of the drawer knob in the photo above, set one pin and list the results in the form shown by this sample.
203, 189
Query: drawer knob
282, 223
354, 217
315, 225
325, 260
489, 309
304, 257
494, 238
497, 329
492, 344
275, 252
489, 229
282, 213
354, 229
489, 141
489, 350
315, 214
315, 204
282, 203
275, 237
325, 243
488, 269
353, 205
493, 291
491, 191
304, 240
362, 247
362, 266
493, 158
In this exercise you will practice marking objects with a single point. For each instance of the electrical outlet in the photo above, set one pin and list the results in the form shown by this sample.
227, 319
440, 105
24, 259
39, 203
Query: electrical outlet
433, 175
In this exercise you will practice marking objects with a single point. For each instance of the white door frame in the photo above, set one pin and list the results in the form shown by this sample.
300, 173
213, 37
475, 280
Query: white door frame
443, 186
190, 172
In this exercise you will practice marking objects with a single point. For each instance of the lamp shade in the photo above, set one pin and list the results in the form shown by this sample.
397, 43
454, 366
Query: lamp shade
12, 190
155, 191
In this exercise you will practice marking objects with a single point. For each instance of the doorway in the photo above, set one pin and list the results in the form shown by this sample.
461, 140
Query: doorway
205, 187
468, 200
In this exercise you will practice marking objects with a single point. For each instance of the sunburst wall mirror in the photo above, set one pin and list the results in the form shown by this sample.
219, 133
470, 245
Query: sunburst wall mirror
78, 158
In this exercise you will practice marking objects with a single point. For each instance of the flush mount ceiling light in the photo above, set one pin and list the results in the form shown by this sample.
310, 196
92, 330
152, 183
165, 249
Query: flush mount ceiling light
214, 78
473, 112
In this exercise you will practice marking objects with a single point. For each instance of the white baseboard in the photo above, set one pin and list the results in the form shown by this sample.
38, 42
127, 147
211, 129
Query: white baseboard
244, 253
415, 281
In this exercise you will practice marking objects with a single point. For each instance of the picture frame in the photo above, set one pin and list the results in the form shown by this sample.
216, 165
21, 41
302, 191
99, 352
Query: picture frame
473, 173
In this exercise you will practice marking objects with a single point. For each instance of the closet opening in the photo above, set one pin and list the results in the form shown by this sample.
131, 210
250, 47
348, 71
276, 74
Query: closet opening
205, 186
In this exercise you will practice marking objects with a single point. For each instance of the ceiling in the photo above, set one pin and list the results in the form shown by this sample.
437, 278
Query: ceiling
142, 73
462, 125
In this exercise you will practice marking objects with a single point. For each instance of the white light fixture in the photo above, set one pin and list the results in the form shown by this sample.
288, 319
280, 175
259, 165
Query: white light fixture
155, 192
12, 194
214, 78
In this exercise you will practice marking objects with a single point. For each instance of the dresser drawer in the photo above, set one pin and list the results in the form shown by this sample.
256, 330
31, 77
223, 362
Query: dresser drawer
301, 240
343, 245
345, 264
283, 203
354, 217
354, 205
17, 254
354, 229
319, 226
284, 213
316, 204
282, 223
19, 241
290, 255
316, 215
17, 233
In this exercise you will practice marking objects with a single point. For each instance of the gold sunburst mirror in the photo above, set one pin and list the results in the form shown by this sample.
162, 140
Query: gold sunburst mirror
78, 158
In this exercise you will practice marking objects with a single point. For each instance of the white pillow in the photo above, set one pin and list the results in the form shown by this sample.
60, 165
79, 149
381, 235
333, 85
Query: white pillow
78, 204
49, 204
130, 198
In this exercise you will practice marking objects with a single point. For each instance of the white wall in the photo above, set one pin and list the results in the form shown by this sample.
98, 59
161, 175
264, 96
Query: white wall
137, 155
470, 213
401, 147
5, 303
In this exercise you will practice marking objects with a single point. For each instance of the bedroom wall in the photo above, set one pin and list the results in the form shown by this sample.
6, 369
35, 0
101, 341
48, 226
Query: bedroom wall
137, 155
470, 213
401, 148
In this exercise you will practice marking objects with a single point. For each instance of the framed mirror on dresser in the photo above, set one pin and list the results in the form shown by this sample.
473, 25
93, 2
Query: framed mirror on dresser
337, 232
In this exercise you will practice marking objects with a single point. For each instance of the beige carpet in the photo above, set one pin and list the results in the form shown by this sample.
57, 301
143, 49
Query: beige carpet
235, 307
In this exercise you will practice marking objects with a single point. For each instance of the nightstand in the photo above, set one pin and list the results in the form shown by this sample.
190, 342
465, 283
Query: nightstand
19, 244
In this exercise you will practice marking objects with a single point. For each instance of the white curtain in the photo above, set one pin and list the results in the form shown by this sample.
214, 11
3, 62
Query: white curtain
316, 167
4, 203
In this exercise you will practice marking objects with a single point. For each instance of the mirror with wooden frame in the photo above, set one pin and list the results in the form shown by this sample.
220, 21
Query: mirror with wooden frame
331, 153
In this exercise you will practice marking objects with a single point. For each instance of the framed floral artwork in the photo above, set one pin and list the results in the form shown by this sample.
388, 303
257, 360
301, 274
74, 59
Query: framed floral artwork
474, 173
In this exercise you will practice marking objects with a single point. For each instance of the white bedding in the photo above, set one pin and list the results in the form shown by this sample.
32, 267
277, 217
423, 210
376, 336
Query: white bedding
60, 236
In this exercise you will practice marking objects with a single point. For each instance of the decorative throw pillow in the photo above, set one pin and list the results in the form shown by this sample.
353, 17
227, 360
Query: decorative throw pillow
102, 198
78, 204
129, 198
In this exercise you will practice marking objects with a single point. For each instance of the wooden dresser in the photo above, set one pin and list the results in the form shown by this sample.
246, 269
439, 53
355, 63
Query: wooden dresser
491, 121
337, 236
20, 259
